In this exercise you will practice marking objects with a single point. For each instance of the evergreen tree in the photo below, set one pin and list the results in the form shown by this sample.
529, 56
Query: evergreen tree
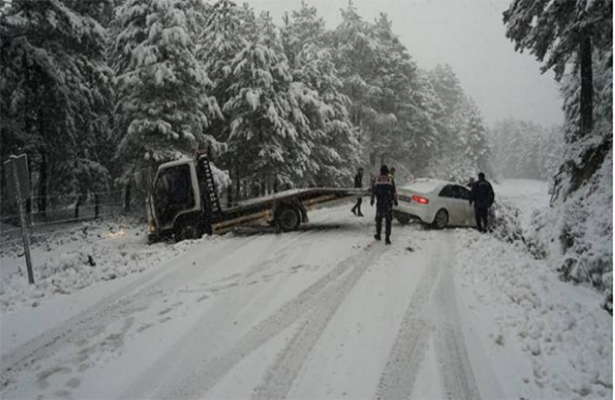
335, 148
477, 148
425, 125
163, 103
224, 35
356, 58
261, 133
562, 32
53, 61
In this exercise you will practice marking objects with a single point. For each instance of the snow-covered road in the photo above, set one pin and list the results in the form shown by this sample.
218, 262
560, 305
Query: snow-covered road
323, 313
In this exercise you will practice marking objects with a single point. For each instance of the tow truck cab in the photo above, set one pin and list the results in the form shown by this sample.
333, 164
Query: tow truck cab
175, 198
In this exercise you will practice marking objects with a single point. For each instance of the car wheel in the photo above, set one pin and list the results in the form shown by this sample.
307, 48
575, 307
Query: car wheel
288, 219
441, 219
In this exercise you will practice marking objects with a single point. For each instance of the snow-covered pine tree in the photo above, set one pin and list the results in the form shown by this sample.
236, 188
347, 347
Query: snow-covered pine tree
163, 92
262, 135
477, 148
356, 58
57, 110
335, 149
395, 75
561, 32
452, 164
425, 125
224, 34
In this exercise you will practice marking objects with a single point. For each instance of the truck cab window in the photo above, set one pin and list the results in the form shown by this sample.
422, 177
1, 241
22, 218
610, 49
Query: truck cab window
173, 192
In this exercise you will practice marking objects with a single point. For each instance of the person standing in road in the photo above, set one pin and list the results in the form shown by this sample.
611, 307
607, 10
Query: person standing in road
483, 197
392, 174
358, 184
386, 195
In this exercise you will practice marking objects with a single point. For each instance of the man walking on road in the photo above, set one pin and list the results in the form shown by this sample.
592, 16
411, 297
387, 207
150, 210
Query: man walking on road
358, 184
483, 197
386, 195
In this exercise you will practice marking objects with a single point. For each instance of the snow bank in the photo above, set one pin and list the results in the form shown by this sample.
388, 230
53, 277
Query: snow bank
76, 257
567, 338
577, 235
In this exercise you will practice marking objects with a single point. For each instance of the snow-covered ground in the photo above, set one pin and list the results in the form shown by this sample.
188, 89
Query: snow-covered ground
326, 312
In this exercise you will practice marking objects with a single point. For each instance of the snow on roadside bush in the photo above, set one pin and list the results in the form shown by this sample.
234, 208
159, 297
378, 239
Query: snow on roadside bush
69, 261
567, 338
577, 235
504, 222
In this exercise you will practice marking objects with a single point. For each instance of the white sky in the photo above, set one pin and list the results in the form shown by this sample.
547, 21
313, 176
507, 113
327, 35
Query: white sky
467, 34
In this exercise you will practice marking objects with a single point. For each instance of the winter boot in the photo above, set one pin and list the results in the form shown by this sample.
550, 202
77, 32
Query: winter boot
387, 240
353, 211
360, 214
377, 236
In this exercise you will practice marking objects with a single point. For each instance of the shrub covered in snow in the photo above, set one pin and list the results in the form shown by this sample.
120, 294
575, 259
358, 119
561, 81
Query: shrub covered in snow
577, 234
504, 222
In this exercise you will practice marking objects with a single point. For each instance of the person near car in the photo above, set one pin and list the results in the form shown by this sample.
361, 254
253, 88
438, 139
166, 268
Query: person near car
358, 184
482, 196
385, 194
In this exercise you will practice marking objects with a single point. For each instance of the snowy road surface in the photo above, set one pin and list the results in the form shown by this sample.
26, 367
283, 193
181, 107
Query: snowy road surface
322, 313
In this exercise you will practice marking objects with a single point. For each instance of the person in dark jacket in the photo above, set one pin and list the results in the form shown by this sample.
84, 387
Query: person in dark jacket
483, 197
385, 194
358, 184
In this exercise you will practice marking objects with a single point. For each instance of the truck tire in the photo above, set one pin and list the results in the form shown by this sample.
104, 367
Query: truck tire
288, 218
187, 231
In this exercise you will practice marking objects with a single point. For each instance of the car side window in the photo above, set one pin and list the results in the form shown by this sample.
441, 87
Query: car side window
447, 191
462, 193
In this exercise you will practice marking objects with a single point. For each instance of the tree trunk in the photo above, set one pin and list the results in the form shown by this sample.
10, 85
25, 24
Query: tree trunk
42, 185
127, 197
80, 200
96, 205
237, 181
587, 86
229, 196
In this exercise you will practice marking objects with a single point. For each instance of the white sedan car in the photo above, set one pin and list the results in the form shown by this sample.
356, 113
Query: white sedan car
434, 202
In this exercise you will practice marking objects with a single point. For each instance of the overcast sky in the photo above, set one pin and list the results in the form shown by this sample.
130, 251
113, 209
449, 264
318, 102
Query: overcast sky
467, 34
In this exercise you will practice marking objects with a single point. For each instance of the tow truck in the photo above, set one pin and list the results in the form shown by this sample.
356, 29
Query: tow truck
183, 203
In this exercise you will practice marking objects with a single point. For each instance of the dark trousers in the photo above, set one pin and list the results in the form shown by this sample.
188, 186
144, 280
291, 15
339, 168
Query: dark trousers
388, 218
482, 215
357, 206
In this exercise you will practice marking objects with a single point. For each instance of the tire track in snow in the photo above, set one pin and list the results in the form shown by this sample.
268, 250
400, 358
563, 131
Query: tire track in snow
280, 377
203, 377
85, 325
215, 323
410, 347
451, 354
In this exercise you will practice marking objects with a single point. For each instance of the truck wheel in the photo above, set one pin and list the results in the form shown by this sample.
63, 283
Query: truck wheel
441, 219
186, 231
403, 219
288, 219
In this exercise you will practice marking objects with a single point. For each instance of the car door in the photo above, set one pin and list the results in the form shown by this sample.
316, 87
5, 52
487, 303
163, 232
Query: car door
447, 197
465, 210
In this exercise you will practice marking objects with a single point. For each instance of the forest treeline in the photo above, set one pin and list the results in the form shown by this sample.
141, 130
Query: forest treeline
93, 91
